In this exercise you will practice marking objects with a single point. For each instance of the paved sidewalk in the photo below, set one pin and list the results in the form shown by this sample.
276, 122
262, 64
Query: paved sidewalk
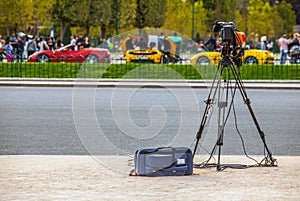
40, 177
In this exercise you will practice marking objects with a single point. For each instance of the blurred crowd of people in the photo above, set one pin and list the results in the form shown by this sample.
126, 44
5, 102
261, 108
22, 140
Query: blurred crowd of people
287, 44
16, 47
212, 43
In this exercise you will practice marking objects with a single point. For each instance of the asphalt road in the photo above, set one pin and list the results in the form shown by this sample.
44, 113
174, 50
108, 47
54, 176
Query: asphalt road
79, 121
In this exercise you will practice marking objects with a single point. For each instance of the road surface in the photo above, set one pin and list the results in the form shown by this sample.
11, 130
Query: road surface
70, 121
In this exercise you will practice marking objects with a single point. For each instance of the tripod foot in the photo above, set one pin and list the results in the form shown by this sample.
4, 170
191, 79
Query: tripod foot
269, 161
220, 168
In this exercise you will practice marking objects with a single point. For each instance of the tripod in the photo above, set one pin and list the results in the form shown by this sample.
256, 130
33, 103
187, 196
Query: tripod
231, 65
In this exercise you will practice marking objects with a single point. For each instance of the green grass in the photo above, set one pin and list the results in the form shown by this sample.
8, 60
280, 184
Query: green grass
143, 71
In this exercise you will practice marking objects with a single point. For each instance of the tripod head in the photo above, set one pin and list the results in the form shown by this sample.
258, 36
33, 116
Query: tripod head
232, 41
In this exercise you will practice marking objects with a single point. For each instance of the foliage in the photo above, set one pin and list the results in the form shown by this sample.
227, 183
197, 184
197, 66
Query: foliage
92, 13
262, 11
126, 15
255, 17
241, 15
157, 10
286, 17
223, 10
24, 15
63, 13
141, 13
150, 13
179, 18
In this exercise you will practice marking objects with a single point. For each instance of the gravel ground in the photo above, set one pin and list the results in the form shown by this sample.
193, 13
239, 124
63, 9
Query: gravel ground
39, 177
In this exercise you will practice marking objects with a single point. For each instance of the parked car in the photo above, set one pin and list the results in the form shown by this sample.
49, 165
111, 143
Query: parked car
251, 56
150, 54
68, 54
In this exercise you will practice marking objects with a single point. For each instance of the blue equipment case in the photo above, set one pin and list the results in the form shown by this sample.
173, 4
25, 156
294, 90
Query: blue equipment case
163, 161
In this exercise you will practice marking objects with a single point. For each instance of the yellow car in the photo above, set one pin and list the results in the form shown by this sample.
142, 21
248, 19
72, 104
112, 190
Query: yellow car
151, 54
146, 55
251, 56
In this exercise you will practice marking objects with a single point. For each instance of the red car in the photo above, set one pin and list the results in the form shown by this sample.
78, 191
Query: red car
68, 54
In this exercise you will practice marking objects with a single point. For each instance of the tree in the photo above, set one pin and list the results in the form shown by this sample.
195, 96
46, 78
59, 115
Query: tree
259, 19
63, 13
224, 10
200, 18
179, 17
209, 6
9, 9
40, 14
92, 13
150, 13
20, 15
126, 15
142, 10
286, 20
156, 16
241, 14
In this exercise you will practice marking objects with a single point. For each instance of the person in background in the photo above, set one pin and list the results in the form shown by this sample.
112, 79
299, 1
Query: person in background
13, 41
47, 38
59, 44
211, 43
73, 42
80, 42
197, 39
0, 41
291, 38
9, 50
43, 44
283, 46
50, 43
31, 46
104, 44
2, 48
87, 42
263, 43
129, 42
296, 39
20, 48
142, 44
161, 41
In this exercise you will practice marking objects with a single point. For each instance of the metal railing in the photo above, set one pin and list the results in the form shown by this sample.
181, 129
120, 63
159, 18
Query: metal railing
117, 68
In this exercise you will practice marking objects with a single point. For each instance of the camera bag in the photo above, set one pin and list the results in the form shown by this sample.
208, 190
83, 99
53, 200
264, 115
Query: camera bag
163, 161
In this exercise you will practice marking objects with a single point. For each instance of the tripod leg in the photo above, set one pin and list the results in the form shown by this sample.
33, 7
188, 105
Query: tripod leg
222, 104
209, 102
248, 103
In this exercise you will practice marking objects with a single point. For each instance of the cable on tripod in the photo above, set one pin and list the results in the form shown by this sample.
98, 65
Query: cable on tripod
205, 163
241, 137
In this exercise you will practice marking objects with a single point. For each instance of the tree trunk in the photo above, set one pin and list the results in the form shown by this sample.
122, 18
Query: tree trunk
87, 30
63, 27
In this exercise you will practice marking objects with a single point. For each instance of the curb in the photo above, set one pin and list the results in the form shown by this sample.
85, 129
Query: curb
134, 83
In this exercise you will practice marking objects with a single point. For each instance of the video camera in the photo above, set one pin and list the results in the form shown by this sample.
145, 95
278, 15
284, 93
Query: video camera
226, 32
231, 39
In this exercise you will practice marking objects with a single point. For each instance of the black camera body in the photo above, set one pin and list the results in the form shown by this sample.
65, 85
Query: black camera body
231, 41
226, 32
